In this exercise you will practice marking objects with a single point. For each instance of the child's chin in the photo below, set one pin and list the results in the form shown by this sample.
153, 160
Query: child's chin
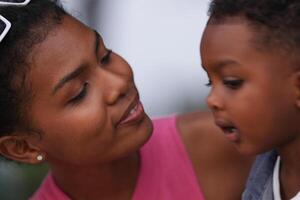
249, 150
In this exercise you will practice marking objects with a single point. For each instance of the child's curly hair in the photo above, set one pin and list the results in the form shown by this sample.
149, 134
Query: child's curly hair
278, 21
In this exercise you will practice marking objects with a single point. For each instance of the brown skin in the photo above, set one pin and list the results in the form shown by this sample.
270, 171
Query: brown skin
89, 153
221, 170
256, 90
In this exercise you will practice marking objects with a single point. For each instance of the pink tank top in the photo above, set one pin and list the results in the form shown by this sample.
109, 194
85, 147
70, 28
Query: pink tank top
166, 171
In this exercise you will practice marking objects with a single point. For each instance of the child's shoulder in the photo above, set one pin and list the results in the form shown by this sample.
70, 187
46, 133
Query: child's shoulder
260, 180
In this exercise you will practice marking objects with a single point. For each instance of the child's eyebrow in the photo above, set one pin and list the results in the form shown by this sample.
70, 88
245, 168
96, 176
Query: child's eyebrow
219, 66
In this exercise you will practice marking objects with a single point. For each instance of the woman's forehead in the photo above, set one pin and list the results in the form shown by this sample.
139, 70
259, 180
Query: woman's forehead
63, 43
65, 48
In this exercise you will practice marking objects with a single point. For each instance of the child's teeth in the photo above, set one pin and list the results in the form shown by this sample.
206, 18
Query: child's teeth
232, 130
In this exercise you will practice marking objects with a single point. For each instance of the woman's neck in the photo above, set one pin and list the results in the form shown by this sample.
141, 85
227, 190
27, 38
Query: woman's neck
111, 181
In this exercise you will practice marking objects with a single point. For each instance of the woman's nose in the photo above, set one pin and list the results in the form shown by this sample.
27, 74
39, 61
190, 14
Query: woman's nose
116, 86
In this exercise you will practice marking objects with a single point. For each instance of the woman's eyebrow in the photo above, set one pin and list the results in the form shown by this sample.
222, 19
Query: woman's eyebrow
97, 41
73, 75
78, 71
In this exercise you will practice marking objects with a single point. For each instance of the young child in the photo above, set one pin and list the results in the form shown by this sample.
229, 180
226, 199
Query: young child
250, 51
69, 101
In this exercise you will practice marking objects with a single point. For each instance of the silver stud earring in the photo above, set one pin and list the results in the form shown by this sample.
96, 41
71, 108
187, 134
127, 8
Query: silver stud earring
39, 158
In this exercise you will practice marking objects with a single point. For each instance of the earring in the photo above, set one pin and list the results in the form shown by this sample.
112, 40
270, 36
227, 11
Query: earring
39, 158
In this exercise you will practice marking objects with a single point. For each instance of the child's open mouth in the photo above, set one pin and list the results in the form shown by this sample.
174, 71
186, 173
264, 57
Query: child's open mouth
231, 132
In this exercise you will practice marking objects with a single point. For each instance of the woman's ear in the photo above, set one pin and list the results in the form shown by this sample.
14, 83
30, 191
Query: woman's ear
18, 147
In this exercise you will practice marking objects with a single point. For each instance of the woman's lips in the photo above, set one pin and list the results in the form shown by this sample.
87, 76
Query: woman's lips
134, 115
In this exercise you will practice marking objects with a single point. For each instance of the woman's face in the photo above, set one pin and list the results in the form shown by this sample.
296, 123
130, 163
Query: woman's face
85, 103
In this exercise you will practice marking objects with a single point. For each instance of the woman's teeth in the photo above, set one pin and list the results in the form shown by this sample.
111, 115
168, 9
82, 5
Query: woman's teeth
133, 109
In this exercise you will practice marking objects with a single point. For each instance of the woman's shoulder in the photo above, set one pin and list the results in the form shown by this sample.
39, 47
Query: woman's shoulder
198, 130
220, 168
48, 190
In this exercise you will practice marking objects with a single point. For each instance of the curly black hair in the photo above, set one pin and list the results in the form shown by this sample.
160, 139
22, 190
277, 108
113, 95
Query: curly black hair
30, 26
278, 21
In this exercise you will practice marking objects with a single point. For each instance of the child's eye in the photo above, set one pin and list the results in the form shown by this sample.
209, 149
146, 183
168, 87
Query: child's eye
83, 92
106, 58
209, 83
233, 83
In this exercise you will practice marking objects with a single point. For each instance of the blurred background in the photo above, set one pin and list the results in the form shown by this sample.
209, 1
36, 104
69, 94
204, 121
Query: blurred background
160, 39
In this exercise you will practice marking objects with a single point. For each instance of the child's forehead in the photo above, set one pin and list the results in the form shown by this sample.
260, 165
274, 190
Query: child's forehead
236, 41
265, 38
237, 27
239, 30
228, 36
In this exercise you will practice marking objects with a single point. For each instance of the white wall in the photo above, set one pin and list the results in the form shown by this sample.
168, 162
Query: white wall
160, 39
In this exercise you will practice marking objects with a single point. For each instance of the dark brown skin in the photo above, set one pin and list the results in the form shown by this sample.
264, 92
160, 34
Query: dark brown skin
221, 170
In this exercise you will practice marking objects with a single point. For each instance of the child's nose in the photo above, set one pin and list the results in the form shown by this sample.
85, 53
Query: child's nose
213, 101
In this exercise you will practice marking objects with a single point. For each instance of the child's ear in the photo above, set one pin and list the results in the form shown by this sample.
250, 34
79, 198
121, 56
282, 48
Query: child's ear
19, 148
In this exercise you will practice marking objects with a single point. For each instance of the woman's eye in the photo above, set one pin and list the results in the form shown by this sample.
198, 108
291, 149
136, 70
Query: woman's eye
233, 83
79, 97
106, 58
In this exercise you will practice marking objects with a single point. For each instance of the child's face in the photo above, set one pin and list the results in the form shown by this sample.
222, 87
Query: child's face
253, 92
85, 102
